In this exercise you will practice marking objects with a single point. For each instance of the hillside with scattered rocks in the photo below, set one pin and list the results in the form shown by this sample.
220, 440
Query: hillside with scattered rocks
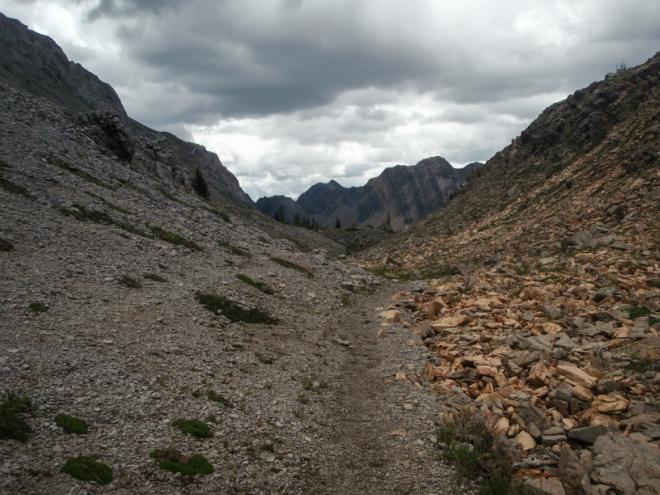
542, 307
161, 335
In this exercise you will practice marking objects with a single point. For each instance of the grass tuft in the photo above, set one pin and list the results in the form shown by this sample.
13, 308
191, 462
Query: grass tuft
173, 238
129, 282
12, 424
64, 165
219, 398
232, 310
71, 424
293, 266
238, 251
172, 460
88, 469
262, 286
638, 312
10, 187
154, 277
193, 427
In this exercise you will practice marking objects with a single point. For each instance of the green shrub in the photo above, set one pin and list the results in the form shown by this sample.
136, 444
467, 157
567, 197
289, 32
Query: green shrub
173, 238
71, 424
12, 424
172, 460
193, 427
129, 282
219, 398
262, 286
88, 469
218, 213
231, 310
293, 266
154, 277
37, 307
110, 205
83, 214
5, 246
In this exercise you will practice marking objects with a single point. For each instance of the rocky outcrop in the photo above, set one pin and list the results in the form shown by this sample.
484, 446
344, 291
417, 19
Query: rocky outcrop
34, 64
404, 194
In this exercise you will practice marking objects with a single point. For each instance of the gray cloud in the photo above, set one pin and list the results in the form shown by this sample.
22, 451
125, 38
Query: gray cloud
289, 92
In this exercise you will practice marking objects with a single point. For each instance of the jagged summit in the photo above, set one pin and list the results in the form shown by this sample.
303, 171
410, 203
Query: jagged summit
402, 193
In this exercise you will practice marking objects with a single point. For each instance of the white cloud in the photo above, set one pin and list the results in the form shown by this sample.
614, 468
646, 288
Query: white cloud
291, 92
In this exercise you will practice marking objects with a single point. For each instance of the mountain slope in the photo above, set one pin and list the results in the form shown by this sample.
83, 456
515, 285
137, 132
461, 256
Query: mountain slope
541, 305
34, 63
405, 194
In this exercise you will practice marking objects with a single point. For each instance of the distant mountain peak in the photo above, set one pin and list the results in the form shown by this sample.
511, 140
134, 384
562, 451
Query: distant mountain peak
402, 193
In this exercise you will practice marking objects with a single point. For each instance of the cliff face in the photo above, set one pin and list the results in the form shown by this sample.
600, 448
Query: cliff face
405, 194
34, 64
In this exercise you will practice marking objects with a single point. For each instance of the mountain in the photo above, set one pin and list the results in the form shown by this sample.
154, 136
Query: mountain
405, 194
540, 300
35, 64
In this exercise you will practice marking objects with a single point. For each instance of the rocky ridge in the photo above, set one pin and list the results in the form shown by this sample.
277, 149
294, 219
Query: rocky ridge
402, 194
543, 312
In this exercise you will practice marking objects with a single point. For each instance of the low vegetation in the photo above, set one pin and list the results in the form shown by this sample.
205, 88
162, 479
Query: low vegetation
219, 398
88, 469
467, 442
218, 213
13, 188
238, 251
422, 273
5, 246
172, 238
83, 214
174, 461
193, 427
110, 205
638, 312
71, 424
37, 307
154, 277
293, 266
130, 282
232, 310
262, 286
64, 165
13, 408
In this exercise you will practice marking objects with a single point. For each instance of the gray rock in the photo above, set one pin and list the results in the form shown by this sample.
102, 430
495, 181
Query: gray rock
626, 466
587, 434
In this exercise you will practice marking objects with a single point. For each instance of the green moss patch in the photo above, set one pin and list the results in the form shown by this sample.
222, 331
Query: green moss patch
262, 286
173, 238
88, 469
71, 424
231, 310
37, 307
154, 277
293, 266
12, 423
172, 460
129, 282
218, 213
193, 427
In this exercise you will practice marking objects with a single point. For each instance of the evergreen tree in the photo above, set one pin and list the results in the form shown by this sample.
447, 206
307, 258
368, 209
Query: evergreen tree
279, 214
337, 223
199, 184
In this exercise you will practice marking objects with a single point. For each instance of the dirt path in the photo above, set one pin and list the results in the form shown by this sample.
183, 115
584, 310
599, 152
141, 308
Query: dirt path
377, 434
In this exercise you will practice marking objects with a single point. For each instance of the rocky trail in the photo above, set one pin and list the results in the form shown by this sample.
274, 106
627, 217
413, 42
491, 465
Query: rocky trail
378, 429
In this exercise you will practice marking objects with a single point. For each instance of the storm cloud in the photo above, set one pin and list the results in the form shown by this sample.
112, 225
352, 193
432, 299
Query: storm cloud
292, 92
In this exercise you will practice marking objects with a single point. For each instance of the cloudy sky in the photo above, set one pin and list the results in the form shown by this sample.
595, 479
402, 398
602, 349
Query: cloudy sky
293, 92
